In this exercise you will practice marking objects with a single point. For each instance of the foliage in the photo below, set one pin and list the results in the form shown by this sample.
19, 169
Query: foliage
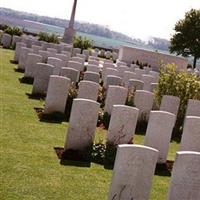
186, 40
50, 38
181, 84
13, 31
3, 27
82, 43
98, 152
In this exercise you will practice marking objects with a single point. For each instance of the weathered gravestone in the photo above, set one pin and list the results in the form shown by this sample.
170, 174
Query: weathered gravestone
143, 100
81, 131
116, 95
191, 134
57, 63
23, 57
147, 79
18, 47
185, 180
41, 78
88, 90
133, 172
70, 73
112, 80
170, 104
193, 108
6, 40
91, 76
75, 65
57, 94
127, 76
122, 124
159, 131
31, 63
135, 84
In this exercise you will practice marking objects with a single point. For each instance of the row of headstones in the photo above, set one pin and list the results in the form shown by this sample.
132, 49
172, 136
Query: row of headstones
135, 164
10, 41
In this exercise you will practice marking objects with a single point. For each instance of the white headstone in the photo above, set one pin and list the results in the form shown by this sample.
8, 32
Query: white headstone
18, 47
185, 180
57, 63
116, 95
70, 73
91, 76
88, 90
23, 57
122, 124
147, 79
82, 125
193, 108
191, 134
159, 131
6, 40
133, 172
57, 94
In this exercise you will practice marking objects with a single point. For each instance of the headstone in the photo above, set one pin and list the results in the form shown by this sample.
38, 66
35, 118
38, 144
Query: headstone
143, 100
88, 90
41, 78
36, 48
82, 56
86, 53
122, 124
64, 57
82, 125
116, 95
75, 65
114, 56
185, 179
108, 62
170, 104
147, 79
6, 40
155, 75
31, 63
44, 54
15, 39
109, 71
57, 94
135, 84
139, 73
122, 69
78, 59
133, 172
127, 76
191, 134
112, 80
93, 62
91, 76
57, 63
70, 73
94, 54
93, 58
154, 86
76, 50
93, 68
119, 63
193, 108
159, 131
52, 50
23, 57
18, 47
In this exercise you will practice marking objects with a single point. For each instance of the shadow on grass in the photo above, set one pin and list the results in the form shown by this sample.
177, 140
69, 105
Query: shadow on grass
13, 62
19, 70
71, 158
164, 169
37, 96
55, 117
26, 80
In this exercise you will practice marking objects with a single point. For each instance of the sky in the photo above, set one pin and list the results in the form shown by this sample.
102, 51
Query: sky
136, 18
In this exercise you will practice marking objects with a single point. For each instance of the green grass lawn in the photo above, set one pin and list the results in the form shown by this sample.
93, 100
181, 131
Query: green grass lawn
29, 166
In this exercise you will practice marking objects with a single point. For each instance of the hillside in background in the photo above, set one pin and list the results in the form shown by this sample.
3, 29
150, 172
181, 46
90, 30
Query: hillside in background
24, 19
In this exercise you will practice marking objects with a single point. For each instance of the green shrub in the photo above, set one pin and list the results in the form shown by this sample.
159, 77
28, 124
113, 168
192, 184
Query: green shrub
3, 27
13, 31
181, 84
50, 38
82, 43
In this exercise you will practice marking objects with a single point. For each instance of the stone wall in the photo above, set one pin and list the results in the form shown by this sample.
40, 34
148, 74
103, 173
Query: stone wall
129, 54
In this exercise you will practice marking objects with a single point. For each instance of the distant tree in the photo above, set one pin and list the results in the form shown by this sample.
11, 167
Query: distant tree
186, 40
